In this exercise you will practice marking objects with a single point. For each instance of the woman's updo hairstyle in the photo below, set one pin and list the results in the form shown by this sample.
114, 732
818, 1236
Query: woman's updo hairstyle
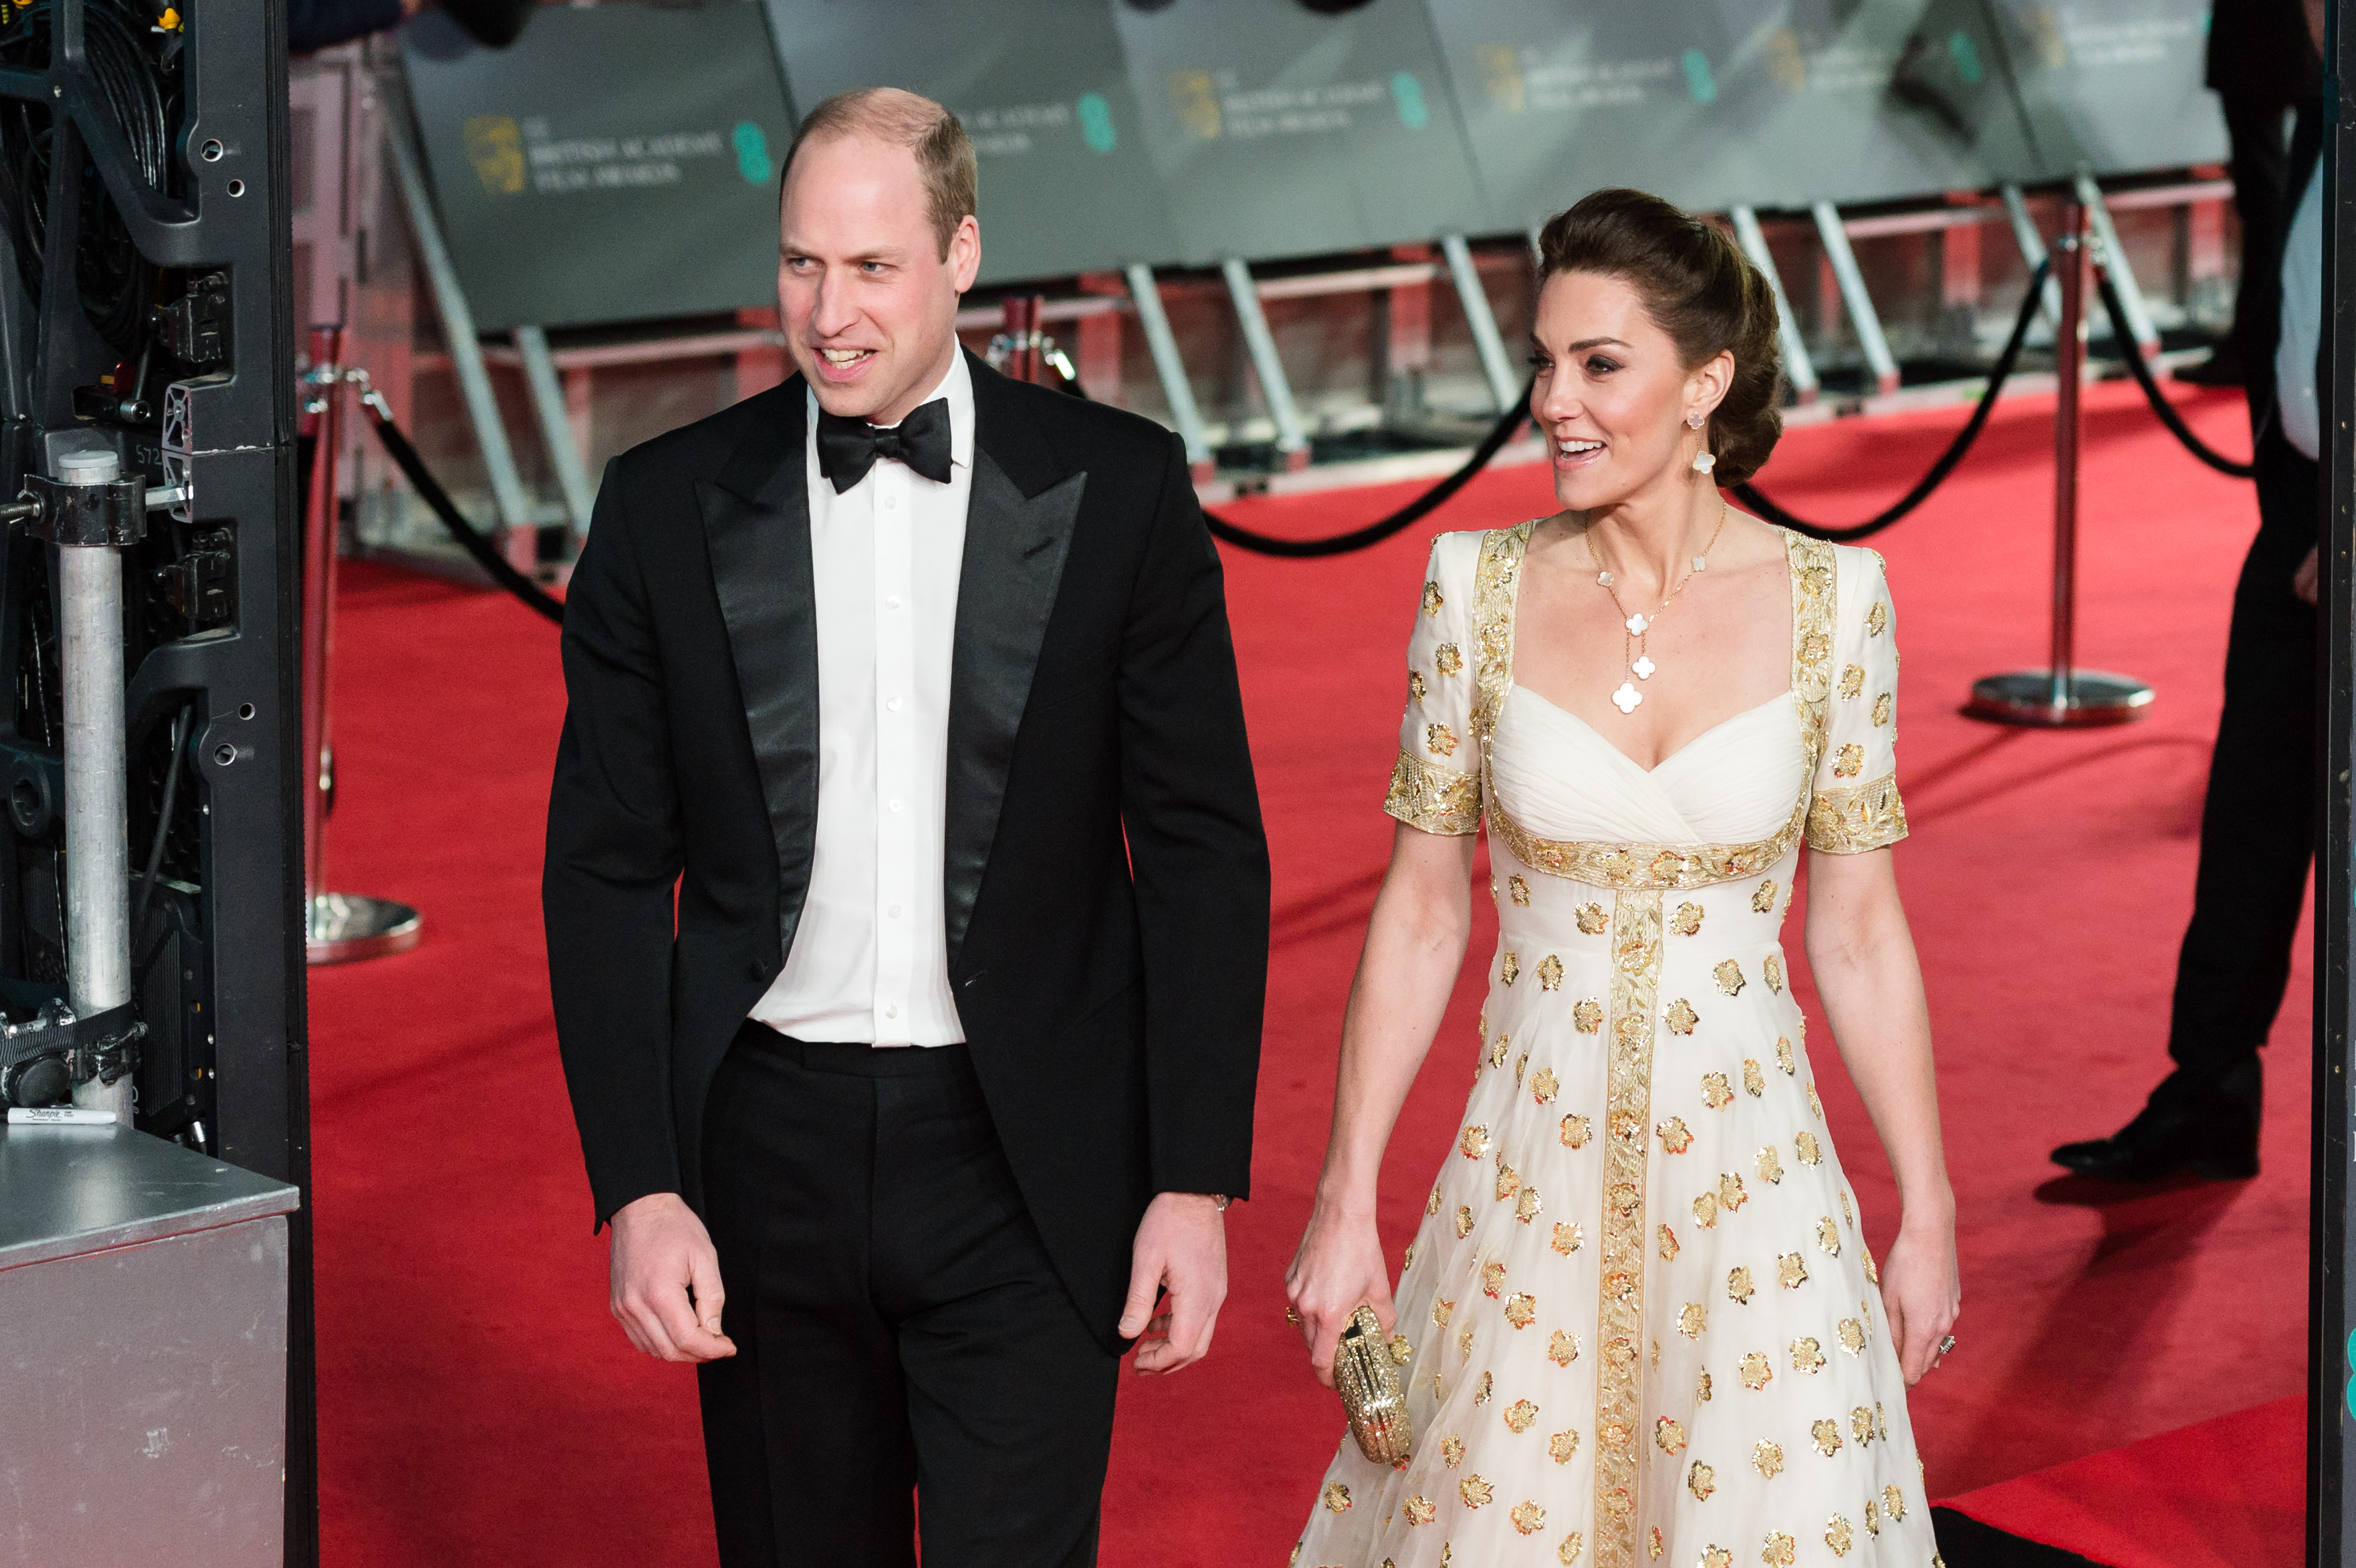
1700, 289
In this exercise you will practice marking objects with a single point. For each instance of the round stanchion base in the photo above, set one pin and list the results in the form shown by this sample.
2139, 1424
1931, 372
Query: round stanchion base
2026, 697
347, 927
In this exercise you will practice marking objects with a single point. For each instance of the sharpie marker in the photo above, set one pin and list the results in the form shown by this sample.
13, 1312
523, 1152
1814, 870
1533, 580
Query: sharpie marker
57, 1116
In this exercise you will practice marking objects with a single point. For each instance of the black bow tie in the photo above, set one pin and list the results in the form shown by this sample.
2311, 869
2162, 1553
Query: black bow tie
847, 446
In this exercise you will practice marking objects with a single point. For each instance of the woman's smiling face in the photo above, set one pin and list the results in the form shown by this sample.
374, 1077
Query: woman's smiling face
1611, 394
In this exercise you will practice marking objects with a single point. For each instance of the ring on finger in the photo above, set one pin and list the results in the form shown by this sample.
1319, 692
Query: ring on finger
1947, 1344
1292, 1315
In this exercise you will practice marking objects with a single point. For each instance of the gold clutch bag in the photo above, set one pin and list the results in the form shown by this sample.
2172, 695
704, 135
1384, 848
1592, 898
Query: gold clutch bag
1368, 1379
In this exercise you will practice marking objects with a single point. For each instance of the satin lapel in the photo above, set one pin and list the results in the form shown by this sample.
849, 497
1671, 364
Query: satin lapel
1014, 550
756, 527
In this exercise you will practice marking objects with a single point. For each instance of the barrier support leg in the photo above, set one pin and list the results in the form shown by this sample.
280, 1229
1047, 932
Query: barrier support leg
2061, 695
2105, 239
1146, 295
1494, 364
517, 519
1798, 369
1291, 436
2032, 245
1854, 299
556, 428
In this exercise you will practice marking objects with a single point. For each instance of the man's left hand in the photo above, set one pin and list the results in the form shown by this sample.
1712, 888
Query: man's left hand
1182, 1247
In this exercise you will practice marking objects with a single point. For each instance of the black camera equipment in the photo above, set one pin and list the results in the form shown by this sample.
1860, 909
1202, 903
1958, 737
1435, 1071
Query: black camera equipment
151, 958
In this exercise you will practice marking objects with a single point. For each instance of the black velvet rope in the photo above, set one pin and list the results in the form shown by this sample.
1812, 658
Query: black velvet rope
2141, 371
470, 539
1751, 496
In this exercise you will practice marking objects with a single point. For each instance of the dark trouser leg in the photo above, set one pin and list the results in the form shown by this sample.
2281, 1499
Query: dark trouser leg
898, 1322
2257, 826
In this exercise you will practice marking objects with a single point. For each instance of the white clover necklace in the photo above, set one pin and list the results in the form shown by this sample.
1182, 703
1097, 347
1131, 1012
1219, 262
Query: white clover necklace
1637, 626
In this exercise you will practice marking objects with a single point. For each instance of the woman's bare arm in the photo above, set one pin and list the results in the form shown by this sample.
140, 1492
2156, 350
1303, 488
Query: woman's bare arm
1863, 958
1415, 945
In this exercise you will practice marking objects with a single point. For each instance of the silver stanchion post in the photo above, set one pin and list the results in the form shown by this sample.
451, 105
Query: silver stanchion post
342, 926
2062, 696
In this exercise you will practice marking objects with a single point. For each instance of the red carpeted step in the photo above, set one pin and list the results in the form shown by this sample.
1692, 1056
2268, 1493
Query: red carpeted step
478, 1405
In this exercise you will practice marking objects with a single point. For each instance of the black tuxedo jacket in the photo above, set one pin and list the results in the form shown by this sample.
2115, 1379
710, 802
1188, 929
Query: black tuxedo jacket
1106, 877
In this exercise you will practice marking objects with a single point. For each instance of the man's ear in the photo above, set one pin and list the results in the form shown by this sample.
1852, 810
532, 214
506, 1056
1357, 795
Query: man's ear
965, 253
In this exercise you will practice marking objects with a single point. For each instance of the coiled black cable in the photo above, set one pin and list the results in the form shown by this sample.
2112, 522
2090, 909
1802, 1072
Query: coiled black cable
1751, 496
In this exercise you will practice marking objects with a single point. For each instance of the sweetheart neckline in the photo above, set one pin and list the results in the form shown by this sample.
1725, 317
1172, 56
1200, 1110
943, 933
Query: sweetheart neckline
1604, 740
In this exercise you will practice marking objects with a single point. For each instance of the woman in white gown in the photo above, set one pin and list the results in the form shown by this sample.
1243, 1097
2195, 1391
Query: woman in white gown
1639, 1321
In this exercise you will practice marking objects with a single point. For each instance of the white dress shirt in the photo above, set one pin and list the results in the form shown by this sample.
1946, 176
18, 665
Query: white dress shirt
2302, 320
870, 959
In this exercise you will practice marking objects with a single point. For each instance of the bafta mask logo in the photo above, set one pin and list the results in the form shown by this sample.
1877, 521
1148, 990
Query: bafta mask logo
1197, 102
495, 146
1500, 73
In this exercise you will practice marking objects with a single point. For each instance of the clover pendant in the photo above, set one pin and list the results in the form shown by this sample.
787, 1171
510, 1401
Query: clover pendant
1626, 698
1638, 626
1643, 666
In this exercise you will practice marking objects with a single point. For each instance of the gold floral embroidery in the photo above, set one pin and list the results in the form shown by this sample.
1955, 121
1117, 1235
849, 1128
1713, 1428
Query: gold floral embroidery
1646, 868
1407, 1259
1701, 1480
1452, 1451
1440, 741
1730, 1195
1519, 888
1716, 1557
1790, 1270
1528, 1207
1770, 1165
1419, 1510
1337, 1497
1701, 1388
1772, 967
1757, 1373
1668, 1239
1675, 1138
1848, 763
1493, 1279
1528, 1518
1510, 969
1877, 620
1846, 1212
1495, 587
1681, 1017
1852, 680
1520, 1414
1884, 707
1463, 1223
1586, 1017
1669, 1434
1686, 921
1860, 1425
1401, 1352
1738, 1285
1838, 1536
1816, 1105
1872, 1519
1729, 976
1778, 1551
1893, 1504
1763, 899
1828, 1236
1767, 1458
1568, 1553
1550, 971
1827, 1437
1441, 1308
1431, 599
1434, 799
1483, 1389
1852, 1336
1431, 1204
1858, 818
1591, 919
1543, 1086
1567, 1238
1783, 1058
1563, 1349
1474, 1142
1446, 658
1497, 1050
1574, 1131
1716, 1093
1693, 1318
1807, 1355
1705, 1210
1810, 1151
1636, 925
1562, 1446
1415, 685
1656, 1546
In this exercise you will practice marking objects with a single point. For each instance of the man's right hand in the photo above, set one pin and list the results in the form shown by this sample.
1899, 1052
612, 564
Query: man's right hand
666, 1279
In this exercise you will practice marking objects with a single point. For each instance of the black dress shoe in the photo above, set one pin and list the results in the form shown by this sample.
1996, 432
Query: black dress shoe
2197, 1125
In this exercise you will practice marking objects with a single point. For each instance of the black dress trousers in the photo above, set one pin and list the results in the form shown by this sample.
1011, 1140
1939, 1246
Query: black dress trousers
898, 1324
2257, 826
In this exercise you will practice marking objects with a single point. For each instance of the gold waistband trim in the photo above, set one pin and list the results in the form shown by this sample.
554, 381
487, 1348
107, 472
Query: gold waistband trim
1654, 868
1852, 821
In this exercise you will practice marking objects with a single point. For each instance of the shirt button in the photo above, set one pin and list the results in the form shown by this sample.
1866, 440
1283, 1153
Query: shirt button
891, 501
895, 805
893, 603
893, 705
891, 1012
894, 911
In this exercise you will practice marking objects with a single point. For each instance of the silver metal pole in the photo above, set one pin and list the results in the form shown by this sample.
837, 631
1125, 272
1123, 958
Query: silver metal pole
1291, 436
2032, 243
98, 828
1495, 363
1798, 369
556, 427
1146, 295
1854, 299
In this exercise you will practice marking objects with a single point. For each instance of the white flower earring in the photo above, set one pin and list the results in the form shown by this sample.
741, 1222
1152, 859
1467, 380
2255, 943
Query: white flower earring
1704, 460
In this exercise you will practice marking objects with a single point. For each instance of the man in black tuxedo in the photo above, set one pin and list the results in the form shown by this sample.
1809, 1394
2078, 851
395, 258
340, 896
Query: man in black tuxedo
906, 900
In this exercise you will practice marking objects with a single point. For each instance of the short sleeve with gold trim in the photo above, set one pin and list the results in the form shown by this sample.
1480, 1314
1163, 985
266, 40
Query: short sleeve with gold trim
1436, 784
1855, 806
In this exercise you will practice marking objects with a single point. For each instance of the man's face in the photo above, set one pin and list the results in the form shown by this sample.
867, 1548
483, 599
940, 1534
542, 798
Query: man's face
867, 301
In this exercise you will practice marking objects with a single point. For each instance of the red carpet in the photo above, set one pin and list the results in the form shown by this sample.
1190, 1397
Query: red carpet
478, 1406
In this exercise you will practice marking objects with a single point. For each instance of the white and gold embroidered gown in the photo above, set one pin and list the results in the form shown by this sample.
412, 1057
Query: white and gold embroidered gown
1639, 1322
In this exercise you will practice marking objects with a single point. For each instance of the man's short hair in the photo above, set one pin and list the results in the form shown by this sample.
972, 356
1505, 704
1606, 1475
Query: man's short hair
944, 152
